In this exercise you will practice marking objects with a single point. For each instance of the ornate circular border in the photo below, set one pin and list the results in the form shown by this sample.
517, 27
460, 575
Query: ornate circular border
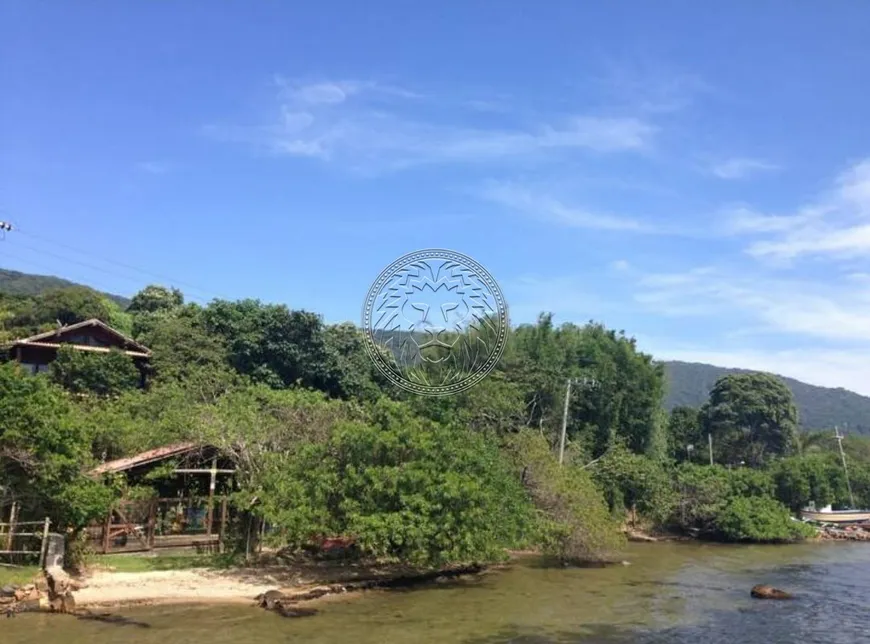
372, 345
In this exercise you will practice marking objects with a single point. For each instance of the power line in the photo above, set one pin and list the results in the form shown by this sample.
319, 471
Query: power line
204, 296
117, 263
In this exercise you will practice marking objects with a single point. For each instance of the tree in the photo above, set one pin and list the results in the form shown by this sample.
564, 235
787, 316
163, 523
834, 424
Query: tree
153, 298
684, 429
42, 451
104, 374
406, 489
272, 344
624, 401
752, 417
70, 305
180, 345
573, 521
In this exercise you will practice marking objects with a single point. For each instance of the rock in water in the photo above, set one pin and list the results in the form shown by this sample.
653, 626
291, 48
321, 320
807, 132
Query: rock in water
268, 599
769, 592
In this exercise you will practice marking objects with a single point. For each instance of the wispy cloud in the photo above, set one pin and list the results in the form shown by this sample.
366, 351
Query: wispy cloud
815, 309
742, 168
650, 88
362, 123
154, 167
550, 209
836, 225
545, 204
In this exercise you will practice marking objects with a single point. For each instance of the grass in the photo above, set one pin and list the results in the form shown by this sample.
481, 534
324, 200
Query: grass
152, 563
22, 575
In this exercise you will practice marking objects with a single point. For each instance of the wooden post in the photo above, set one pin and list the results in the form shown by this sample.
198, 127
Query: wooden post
223, 530
152, 523
13, 516
44, 543
211, 486
106, 529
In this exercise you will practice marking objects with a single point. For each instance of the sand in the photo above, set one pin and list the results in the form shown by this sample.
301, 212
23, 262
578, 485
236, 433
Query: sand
171, 586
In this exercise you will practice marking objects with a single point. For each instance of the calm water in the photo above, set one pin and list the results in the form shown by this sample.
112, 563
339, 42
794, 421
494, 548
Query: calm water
671, 593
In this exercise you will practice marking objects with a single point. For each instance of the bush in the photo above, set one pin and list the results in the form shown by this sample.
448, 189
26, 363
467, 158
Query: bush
406, 489
633, 481
759, 519
573, 519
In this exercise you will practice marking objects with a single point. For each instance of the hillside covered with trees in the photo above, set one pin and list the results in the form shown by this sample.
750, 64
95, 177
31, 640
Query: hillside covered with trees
328, 447
17, 283
689, 384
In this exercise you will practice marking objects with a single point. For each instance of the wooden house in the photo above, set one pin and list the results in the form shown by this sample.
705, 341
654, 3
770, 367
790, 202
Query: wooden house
38, 351
187, 504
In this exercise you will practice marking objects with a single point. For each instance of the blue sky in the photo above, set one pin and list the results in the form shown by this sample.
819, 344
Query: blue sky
698, 178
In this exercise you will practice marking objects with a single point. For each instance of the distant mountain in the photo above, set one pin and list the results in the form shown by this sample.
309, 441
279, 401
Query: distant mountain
16, 283
689, 383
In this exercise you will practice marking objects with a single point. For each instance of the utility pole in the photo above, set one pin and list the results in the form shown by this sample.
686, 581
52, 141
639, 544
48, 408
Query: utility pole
564, 422
583, 381
839, 438
710, 446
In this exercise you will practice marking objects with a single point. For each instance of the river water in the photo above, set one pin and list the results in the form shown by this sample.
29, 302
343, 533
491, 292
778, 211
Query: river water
690, 593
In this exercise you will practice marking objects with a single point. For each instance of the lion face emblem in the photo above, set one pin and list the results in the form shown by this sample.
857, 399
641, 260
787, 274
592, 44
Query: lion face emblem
441, 321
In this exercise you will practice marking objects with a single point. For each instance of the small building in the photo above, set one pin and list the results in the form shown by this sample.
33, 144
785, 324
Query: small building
38, 351
186, 502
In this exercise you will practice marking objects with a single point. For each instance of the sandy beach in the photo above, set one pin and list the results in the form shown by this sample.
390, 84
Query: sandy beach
105, 588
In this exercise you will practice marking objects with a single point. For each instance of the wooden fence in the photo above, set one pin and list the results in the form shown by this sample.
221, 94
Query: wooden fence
133, 526
11, 530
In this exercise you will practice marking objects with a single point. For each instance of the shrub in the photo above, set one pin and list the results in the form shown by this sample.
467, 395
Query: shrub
406, 489
759, 519
573, 519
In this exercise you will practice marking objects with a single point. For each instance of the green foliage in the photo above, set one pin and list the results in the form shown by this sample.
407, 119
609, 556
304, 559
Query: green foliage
751, 417
405, 488
103, 374
29, 285
328, 446
153, 298
684, 429
819, 408
71, 305
180, 344
634, 481
42, 450
815, 478
759, 519
573, 522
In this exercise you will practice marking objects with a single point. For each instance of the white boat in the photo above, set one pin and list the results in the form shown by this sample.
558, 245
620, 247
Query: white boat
838, 517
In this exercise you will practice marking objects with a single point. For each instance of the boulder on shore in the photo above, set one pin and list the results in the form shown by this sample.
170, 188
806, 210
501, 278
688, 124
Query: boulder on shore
769, 592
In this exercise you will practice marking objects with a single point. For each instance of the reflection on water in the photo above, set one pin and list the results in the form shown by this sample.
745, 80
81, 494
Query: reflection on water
671, 593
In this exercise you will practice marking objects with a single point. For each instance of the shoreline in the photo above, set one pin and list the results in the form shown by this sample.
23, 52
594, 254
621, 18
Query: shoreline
299, 583
201, 586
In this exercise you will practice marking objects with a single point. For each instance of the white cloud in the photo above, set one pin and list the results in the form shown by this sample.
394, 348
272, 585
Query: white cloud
741, 168
800, 307
620, 265
552, 210
836, 225
364, 123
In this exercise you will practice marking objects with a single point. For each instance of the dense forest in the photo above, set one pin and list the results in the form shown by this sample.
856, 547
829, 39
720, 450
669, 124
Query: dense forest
689, 384
17, 283
328, 447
